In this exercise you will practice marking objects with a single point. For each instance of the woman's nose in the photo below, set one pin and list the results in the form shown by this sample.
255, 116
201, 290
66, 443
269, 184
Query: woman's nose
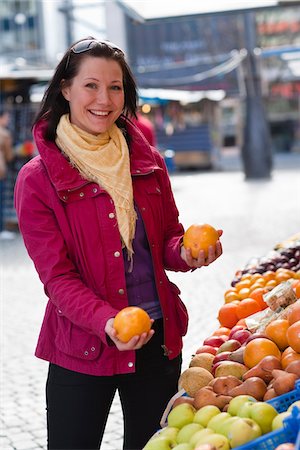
103, 96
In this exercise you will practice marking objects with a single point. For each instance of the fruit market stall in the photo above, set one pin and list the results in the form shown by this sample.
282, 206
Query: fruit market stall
242, 387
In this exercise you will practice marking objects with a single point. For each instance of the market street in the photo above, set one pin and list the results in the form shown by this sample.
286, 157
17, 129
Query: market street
255, 215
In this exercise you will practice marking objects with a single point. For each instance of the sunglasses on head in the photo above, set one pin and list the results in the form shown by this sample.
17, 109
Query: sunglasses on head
88, 44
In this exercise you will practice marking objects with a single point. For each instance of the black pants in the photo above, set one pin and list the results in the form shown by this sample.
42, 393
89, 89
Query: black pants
78, 405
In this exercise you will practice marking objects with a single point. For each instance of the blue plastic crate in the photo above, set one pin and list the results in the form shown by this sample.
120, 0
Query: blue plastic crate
289, 433
282, 402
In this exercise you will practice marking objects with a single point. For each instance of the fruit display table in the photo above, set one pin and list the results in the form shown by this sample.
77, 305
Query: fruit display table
242, 387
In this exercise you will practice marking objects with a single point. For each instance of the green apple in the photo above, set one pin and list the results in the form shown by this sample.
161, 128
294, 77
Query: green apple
168, 432
263, 414
158, 443
226, 425
186, 432
236, 402
243, 430
204, 414
183, 446
216, 421
181, 415
296, 403
278, 420
199, 434
218, 440
245, 410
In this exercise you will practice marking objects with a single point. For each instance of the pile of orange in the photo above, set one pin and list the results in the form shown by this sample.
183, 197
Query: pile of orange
250, 282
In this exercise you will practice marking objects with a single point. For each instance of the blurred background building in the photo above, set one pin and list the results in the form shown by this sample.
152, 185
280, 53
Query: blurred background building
191, 69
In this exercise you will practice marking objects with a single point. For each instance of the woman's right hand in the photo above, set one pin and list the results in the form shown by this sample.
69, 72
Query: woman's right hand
135, 343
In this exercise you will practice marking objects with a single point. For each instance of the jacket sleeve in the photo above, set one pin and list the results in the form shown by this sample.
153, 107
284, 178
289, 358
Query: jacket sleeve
47, 248
173, 231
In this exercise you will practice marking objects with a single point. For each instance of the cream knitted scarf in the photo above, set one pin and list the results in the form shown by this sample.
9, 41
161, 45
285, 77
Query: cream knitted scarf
104, 159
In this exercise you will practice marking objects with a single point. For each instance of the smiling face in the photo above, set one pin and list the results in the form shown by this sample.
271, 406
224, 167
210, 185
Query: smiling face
96, 94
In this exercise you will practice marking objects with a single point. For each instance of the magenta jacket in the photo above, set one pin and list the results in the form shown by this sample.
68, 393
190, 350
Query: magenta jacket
70, 231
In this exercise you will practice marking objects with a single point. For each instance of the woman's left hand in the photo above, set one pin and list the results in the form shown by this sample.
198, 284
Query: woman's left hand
213, 253
135, 343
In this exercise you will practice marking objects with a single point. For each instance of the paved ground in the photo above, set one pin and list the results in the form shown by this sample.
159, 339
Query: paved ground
254, 215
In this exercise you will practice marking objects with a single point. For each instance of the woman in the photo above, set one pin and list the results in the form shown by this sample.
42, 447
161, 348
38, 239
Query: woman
98, 218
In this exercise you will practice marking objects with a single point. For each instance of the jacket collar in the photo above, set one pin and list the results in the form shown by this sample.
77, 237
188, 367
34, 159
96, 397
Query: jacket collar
66, 177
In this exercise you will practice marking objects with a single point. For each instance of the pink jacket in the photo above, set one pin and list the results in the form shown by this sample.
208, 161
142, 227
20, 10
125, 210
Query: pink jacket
70, 232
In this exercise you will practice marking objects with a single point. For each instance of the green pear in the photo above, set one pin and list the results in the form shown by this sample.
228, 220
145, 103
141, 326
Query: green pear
296, 403
186, 432
181, 415
263, 414
218, 440
278, 420
217, 421
158, 443
243, 430
199, 434
226, 425
236, 402
245, 410
183, 446
204, 414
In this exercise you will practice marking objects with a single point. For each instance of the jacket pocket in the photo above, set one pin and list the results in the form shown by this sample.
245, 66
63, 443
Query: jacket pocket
181, 312
74, 341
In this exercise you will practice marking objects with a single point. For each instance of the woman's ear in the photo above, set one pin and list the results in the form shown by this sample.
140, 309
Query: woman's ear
65, 89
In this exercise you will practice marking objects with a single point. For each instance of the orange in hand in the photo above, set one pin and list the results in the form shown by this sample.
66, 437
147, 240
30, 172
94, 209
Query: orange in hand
200, 237
131, 321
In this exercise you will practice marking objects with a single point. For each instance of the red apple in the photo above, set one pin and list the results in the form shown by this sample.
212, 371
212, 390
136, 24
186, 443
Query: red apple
241, 335
221, 357
213, 369
215, 341
234, 329
207, 349
255, 336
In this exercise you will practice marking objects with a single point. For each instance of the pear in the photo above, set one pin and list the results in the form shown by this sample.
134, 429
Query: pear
230, 368
181, 415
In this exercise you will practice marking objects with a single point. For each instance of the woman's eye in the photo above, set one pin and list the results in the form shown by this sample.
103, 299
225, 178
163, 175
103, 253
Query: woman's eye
116, 88
92, 85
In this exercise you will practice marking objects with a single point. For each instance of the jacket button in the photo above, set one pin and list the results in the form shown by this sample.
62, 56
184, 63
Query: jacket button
95, 190
93, 349
111, 215
130, 364
157, 189
117, 254
138, 171
81, 194
143, 208
65, 197
121, 291
86, 353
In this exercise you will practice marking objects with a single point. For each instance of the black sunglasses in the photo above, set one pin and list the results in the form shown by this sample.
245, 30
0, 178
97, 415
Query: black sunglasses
88, 44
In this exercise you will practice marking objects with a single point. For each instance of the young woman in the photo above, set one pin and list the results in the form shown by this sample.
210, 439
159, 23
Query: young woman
99, 220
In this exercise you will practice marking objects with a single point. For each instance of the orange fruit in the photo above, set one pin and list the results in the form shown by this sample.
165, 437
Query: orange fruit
293, 312
242, 284
257, 349
227, 315
277, 331
281, 276
243, 293
293, 336
200, 237
131, 321
289, 357
247, 307
230, 296
242, 322
271, 283
257, 295
222, 331
269, 275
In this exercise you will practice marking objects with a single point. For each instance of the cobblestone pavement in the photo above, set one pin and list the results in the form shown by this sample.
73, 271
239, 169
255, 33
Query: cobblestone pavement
254, 215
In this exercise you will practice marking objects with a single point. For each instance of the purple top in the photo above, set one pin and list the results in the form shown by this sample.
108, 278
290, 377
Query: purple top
140, 282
